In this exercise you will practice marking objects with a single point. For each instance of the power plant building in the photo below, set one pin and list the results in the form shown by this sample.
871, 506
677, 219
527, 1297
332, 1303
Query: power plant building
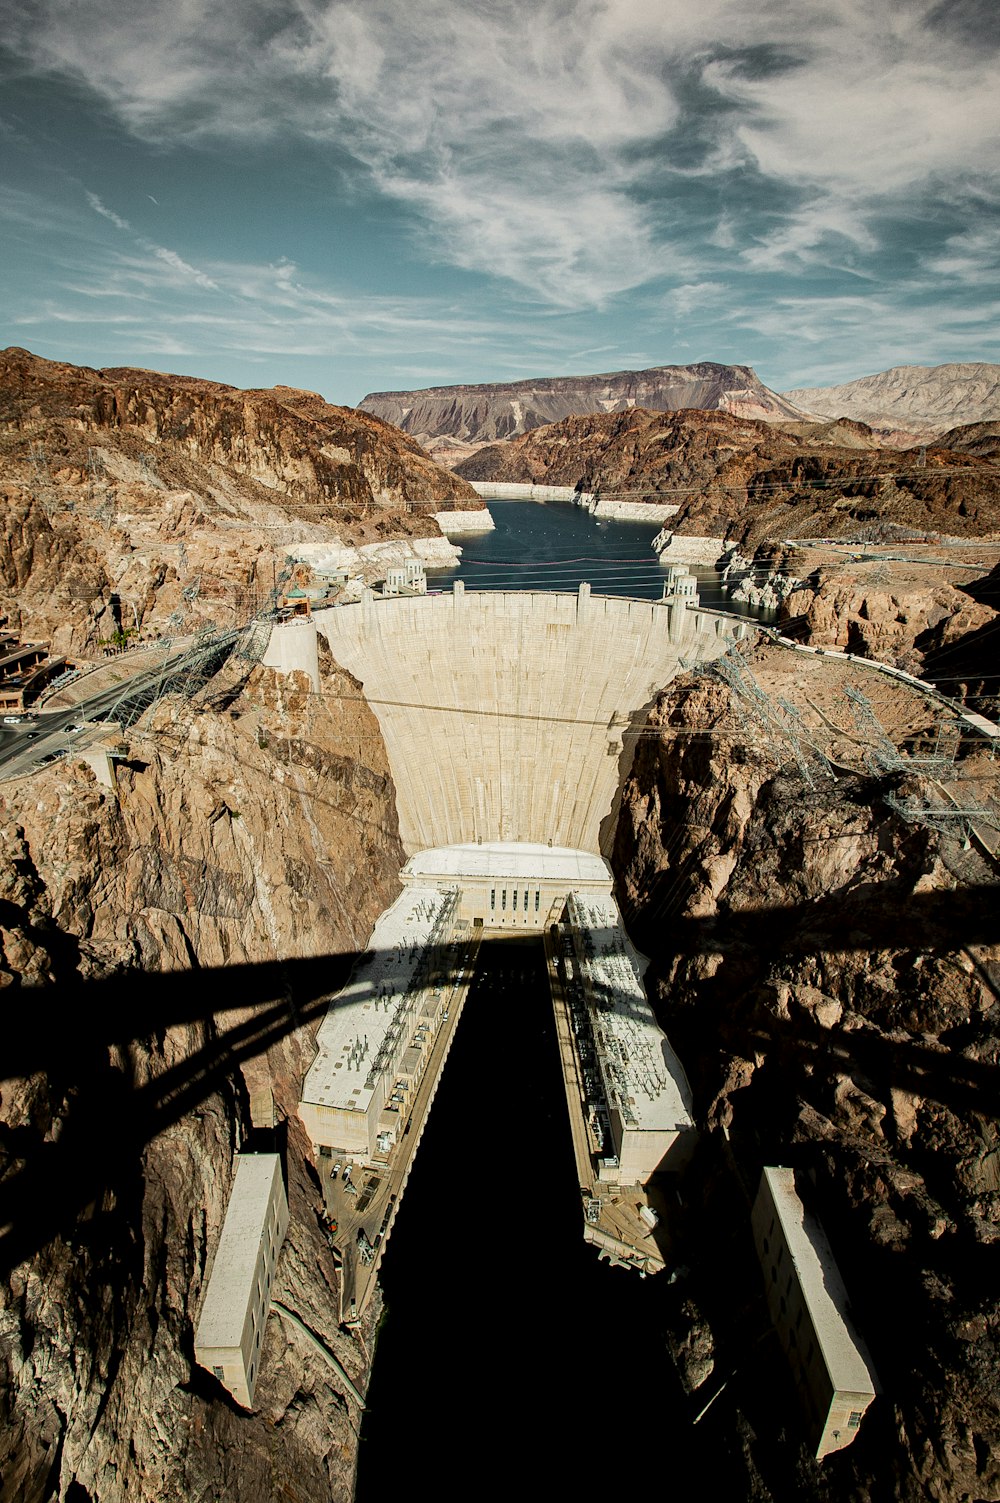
376, 1037
809, 1308
510, 886
638, 1097
234, 1311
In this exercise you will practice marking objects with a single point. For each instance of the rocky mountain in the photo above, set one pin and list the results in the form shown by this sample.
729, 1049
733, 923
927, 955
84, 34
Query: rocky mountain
747, 481
830, 976
982, 439
925, 399
181, 497
165, 953
480, 414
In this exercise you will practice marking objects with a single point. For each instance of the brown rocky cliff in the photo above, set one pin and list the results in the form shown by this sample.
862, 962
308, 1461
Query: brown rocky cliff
829, 978
290, 441
894, 614
183, 497
750, 482
165, 955
52, 583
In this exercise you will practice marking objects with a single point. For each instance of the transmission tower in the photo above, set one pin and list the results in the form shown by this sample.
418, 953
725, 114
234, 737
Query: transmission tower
883, 756
43, 479
780, 721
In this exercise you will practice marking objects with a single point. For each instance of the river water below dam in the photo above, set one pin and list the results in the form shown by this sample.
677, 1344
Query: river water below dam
510, 1359
554, 545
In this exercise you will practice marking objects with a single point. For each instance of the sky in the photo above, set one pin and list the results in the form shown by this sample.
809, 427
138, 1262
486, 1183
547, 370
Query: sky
386, 195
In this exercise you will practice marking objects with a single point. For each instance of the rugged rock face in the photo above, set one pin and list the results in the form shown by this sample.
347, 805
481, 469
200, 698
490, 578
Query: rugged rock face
165, 956
481, 414
182, 497
923, 398
750, 482
982, 439
830, 977
898, 615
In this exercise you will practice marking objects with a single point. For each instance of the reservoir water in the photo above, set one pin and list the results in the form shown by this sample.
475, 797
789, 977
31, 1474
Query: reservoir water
554, 545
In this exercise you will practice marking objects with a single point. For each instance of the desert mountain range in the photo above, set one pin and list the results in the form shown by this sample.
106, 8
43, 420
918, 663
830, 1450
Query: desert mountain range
482, 414
911, 400
918, 398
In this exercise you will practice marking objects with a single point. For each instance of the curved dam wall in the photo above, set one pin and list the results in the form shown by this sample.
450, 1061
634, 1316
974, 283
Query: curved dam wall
513, 716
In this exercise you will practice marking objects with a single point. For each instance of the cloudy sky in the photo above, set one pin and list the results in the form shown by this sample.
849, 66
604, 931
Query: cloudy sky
353, 197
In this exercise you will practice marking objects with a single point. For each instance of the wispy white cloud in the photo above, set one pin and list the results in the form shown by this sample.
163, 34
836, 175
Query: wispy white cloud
822, 232
829, 332
109, 214
686, 163
972, 257
532, 149
158, 304
170, 258
683, 300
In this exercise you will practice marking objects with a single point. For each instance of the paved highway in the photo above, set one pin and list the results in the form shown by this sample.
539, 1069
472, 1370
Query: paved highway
54, 734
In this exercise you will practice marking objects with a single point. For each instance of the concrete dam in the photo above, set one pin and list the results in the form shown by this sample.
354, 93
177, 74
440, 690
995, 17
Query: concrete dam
510, 722
512, 717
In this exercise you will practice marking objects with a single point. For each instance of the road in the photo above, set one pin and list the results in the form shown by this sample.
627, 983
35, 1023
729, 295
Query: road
47, 737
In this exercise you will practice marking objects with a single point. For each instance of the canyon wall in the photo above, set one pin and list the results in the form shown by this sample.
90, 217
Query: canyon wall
829, 974
135, 502
166, 956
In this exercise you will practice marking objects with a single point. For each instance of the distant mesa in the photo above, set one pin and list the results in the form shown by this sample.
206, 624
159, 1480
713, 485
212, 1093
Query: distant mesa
468, 415
919, 399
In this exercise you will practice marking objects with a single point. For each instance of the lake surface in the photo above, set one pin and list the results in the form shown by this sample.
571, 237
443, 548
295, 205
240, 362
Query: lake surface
554, 545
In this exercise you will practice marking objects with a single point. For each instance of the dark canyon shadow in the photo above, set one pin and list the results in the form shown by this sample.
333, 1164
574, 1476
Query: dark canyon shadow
108, 1111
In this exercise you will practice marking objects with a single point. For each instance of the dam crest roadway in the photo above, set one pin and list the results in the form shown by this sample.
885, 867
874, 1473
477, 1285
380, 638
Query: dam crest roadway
510, 722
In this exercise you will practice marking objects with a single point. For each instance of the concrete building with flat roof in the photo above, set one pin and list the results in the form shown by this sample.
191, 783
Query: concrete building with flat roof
507, 886
810, 1311
638, 1097
373, 1043
230, 1331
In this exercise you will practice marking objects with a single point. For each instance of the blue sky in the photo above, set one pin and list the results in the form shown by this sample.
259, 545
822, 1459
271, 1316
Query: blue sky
355, 197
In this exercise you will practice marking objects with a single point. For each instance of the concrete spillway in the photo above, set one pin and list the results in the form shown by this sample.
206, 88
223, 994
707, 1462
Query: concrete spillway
512, 716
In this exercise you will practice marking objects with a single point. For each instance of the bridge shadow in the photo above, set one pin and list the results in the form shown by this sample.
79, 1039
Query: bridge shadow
98, 1043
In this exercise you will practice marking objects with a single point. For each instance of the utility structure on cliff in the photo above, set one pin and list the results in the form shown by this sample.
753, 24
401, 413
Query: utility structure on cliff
230, 1330
809, 1308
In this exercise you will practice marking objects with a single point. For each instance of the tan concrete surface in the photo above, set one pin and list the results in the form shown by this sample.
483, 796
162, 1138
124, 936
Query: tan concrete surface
509, 716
